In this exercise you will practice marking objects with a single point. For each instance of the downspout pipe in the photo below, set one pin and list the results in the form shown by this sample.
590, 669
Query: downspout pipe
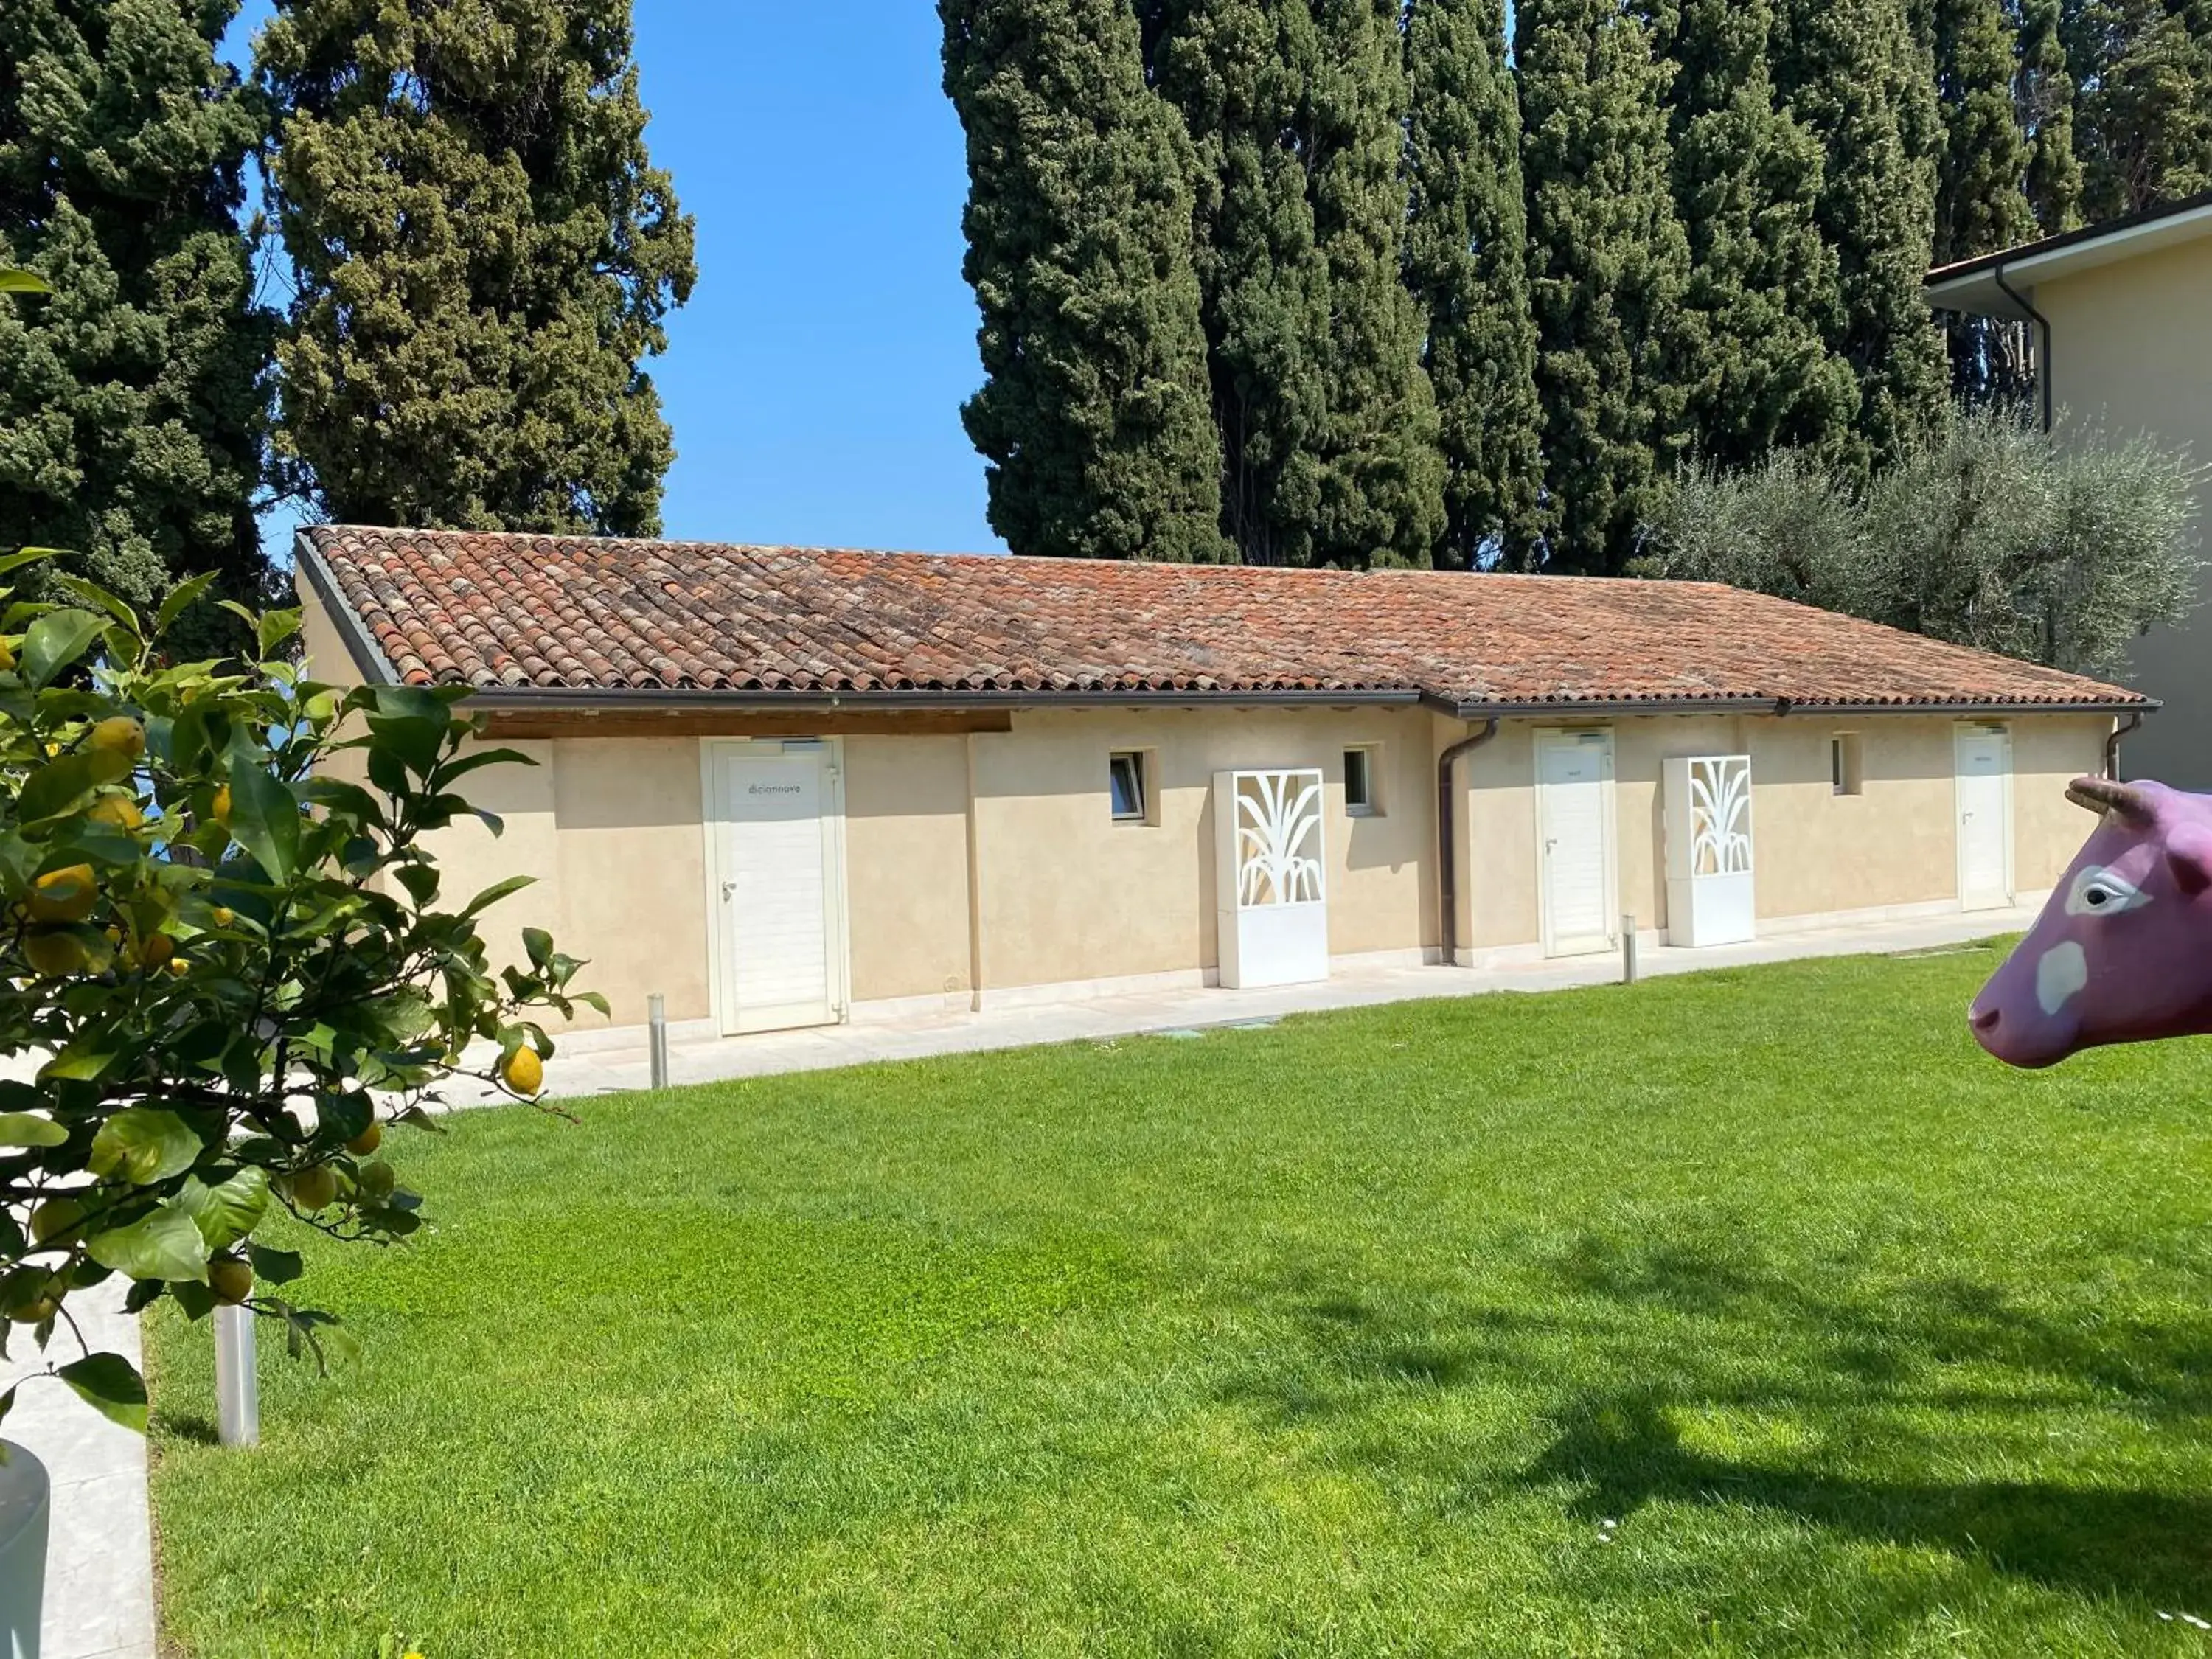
1447, 875
2043, 333
2112, 744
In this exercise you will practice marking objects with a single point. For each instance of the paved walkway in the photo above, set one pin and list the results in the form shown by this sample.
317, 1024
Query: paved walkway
100, 1584
100, 1551
614, 1061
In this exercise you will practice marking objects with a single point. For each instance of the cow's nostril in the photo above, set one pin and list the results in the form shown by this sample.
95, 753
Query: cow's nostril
1983, 1019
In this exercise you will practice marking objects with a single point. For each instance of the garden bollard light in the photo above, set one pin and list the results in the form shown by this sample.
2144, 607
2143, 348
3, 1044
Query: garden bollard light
237, 1386
1628, 950
656, 1020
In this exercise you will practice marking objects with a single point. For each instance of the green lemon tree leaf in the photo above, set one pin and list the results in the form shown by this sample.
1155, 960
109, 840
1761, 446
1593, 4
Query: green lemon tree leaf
142, 1145
164, 1243
228, 1211
111, 1385
265, 817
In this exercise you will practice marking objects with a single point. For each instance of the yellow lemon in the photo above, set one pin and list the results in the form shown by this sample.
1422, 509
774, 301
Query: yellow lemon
178, 966
55, 956
313, 1189
120, 810
222, 915
220, 810
64, 896
118, 734
367, 1141
53, 1218
36, 1311
526, 1073
231, 1279
7, 656
155, 949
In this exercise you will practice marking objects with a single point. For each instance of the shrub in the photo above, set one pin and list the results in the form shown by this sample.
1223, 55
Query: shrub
2060, 548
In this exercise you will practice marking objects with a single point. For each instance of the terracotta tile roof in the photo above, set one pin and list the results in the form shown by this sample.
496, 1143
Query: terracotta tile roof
522, 613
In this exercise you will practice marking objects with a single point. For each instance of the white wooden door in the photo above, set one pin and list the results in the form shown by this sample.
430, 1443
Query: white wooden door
775, 885
1985, 801
1575, 836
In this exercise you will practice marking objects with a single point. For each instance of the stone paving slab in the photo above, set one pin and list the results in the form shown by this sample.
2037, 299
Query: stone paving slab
100, 1560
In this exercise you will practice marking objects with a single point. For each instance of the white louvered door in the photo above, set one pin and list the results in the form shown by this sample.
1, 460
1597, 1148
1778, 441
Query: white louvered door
1574, 811
1984, 805
775, 885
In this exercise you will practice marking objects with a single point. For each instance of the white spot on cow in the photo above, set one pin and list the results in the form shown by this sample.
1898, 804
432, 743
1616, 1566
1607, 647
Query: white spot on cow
2063, 970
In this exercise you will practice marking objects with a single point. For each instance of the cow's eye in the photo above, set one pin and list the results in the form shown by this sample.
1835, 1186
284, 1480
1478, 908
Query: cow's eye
2101, 892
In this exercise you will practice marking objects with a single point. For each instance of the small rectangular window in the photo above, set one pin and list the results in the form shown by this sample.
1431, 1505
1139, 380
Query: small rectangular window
1846, 774
1125, 781
1362, 796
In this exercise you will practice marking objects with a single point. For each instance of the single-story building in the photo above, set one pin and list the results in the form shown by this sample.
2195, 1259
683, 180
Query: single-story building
2122, 344
782, 785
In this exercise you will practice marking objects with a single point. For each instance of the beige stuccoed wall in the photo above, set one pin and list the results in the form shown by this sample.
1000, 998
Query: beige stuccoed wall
906, 864
2048, 830
1894, 844
1067, 894
2131, 349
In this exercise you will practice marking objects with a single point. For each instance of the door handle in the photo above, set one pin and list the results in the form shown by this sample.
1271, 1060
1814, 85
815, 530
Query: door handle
728, 888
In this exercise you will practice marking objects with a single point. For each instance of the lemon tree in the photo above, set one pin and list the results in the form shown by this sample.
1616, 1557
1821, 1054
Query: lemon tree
227, 967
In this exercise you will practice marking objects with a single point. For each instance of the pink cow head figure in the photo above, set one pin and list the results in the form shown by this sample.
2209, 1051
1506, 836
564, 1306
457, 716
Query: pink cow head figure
2122, 952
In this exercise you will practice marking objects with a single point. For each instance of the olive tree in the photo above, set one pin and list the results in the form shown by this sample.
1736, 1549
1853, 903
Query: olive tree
227, 968
2058, 548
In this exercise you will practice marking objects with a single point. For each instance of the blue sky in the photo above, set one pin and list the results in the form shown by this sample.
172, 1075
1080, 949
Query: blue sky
815, 380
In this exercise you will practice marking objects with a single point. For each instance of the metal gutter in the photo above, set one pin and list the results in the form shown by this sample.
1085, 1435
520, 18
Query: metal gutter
360, 646
2043, 330
1779, 706
508, 699
2120, 729
1446, 835
2081, 706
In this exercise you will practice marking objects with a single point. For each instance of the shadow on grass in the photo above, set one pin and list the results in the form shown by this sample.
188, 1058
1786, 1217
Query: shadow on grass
1894, 1385
1623, 1452
195, 1428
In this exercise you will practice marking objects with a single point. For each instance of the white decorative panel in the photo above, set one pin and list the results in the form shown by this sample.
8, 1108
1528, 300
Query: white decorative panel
1709, 897
1271, 877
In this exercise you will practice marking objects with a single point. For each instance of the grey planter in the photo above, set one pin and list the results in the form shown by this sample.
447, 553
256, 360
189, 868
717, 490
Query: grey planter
25, 1499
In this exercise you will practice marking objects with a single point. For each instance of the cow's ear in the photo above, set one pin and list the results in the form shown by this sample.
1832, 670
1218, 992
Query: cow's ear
2189, 855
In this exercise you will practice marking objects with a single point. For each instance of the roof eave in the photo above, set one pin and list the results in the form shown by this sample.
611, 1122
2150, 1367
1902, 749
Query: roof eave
553, 699
497, 699
1971, 285
370, 662
1478, 709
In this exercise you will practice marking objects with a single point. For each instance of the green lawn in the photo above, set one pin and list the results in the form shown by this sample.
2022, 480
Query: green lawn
1753, 1313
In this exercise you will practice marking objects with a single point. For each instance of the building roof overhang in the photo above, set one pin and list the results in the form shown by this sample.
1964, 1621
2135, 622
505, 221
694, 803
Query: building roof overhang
1992, 284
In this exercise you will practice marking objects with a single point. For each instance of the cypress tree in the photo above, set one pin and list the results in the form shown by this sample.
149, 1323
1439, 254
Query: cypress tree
131, 407
2144, 112
1093, 413
1466, 251
2043, 98
1857, 73
1238, 70
1609, 265
1381, 496
1981, 201
483, 255
1763, 288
